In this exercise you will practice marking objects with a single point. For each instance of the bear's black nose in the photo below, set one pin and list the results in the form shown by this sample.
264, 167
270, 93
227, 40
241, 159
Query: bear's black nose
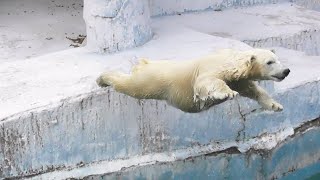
286, 72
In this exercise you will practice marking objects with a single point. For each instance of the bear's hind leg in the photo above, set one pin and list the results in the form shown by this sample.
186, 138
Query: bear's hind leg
123, 83
112, 79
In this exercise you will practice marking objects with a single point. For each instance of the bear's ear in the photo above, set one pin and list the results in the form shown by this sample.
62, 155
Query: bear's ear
272, 50
253, 58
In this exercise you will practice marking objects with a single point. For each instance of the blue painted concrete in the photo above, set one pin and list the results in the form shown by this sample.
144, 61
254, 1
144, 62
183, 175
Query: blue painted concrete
296, 158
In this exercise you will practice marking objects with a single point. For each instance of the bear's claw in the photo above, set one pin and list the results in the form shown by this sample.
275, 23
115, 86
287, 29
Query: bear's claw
277, 107
223, 96
274, 106
232, 94
213, 95
218, 96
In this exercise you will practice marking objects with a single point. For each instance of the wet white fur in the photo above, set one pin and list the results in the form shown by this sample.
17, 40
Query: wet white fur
196, 85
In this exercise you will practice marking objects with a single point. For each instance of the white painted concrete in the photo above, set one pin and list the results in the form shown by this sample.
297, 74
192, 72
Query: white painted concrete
114, 25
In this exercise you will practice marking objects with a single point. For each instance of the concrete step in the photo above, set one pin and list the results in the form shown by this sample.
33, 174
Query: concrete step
284, 24
54, 117
311, 4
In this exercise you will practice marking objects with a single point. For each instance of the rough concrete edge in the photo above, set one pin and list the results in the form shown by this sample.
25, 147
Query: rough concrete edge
54, 105
224, 5
81, 96
78, 97
310, 4
305, 41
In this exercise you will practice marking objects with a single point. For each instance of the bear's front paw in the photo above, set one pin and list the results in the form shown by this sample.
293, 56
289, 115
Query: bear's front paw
274, 106
277, 107
223, 96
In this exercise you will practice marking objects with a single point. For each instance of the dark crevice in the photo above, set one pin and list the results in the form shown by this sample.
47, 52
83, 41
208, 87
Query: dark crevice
241, 133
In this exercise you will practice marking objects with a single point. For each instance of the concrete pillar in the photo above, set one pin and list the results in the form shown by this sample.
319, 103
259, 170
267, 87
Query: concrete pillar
114, 25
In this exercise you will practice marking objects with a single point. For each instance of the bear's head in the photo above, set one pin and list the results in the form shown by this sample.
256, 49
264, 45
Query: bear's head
266, 66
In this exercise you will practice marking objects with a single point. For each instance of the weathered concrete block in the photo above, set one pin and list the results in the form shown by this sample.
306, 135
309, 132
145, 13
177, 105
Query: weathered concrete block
114, 25
307, 41
311, 4
267, 26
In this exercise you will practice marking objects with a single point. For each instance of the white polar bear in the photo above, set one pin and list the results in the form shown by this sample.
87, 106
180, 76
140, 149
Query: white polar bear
193, 86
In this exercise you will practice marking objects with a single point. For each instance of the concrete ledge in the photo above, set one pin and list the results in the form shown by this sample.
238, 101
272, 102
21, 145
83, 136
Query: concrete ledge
307, 41
167, 7
311, 4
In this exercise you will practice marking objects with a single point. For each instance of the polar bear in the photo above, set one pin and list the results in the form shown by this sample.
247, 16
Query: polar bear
196, 85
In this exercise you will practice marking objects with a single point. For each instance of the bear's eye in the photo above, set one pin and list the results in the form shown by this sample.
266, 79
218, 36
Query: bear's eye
270, 62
